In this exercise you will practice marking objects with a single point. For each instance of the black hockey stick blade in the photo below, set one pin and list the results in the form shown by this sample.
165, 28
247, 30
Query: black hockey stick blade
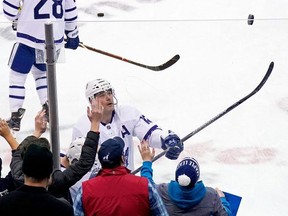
165, 65
154, 68
260, 85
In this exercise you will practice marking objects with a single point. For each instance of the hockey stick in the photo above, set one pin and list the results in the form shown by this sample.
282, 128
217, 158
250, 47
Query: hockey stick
154, 68
219, 115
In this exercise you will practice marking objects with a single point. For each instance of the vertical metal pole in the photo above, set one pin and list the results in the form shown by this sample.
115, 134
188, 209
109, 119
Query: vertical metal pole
52, 94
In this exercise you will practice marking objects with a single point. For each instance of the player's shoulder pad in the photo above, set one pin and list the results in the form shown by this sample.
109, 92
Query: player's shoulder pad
128, 112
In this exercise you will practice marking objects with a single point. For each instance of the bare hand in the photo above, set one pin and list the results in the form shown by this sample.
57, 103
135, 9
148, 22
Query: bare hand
95, 113
40, 123
220, 193
4, 128
6, 134
146, 153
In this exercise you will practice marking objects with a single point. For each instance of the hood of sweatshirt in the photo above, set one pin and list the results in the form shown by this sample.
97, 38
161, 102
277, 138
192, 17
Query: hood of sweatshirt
186, 198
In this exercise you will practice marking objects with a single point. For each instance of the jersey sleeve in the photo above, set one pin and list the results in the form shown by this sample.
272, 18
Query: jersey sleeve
11, 9
143, 127
71, 14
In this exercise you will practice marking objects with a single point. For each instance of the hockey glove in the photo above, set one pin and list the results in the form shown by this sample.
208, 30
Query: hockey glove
174, 145
72, 39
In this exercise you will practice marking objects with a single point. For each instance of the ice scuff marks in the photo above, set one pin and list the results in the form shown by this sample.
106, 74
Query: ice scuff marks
283, 104
109, 8
207, 152
7, 33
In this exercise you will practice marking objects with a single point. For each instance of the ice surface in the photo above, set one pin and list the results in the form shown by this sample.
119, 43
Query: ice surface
222, 59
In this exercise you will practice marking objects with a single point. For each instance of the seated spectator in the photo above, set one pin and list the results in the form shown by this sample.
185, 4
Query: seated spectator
32, 198
61, 180
186, 195
114, 191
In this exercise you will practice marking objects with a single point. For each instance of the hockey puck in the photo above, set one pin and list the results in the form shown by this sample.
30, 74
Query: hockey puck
100, 14
250, 19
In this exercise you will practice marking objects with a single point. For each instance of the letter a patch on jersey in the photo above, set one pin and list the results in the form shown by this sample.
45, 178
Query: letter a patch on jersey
125, 131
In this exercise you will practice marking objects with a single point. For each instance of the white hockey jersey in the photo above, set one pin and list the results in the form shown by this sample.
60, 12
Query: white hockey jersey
33, 15
127, 122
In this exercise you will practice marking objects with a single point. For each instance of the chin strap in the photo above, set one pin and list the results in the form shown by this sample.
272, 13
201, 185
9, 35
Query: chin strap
115, 100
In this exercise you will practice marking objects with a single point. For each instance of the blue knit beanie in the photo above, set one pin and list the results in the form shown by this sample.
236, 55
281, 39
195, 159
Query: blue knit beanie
187, 172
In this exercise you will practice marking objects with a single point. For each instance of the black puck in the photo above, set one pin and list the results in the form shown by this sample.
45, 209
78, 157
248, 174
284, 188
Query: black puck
250, 19
100, 14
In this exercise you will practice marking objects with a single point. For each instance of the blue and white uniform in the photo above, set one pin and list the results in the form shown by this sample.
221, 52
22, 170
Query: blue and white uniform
127, 122
31, 18
33, 15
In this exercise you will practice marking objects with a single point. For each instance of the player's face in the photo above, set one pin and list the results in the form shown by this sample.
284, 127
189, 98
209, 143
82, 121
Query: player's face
106, 99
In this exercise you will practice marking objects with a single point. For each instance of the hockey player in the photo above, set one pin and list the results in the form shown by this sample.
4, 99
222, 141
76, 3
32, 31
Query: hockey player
30, 18
126, 122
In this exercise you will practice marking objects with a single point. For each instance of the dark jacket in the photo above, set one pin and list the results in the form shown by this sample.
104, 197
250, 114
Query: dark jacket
6, 183
33, 201
62, 180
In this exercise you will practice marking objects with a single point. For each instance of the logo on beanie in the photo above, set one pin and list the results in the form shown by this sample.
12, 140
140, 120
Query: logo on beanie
187, 172
106, 158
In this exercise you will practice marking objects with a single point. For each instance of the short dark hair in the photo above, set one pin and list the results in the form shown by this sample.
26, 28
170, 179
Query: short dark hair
37, 162
43, 142
112, 164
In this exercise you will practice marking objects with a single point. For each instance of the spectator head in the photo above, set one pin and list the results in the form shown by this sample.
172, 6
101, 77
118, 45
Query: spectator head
187, 172
111, 152
75, 148
43, 142
37, 162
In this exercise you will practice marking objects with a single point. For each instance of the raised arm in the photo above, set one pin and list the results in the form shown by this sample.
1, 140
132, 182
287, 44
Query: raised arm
147, 155
7, 135
16, 162
61, 181
40, 124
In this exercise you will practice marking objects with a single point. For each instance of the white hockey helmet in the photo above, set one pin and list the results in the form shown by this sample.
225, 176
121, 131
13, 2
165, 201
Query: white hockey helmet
74, 151
95, 86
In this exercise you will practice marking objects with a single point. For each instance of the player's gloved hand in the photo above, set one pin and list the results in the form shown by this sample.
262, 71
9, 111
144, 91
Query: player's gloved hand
14, 25
72, 39
174, 145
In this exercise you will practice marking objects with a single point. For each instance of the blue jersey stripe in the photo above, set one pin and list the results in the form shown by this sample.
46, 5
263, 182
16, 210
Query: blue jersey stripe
11, 5
8, 14
36, 40
44, 77
148, 134
17, 97
71, 9
41, 87
71, 19
16, 87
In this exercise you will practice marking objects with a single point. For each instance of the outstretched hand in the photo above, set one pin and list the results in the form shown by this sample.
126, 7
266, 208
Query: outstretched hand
7, 135
219, 192
40, 123
95, 114
4, 128
145, 151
